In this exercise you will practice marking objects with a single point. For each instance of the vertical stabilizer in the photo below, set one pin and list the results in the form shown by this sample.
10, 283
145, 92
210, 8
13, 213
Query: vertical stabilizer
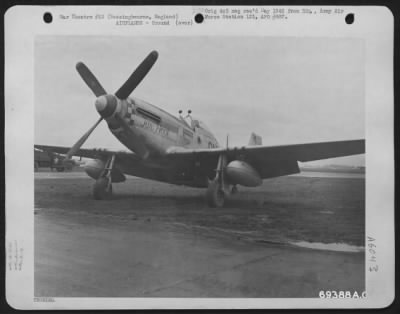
255, 139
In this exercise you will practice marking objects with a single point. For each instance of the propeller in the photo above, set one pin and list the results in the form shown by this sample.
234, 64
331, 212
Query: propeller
82, 140
106, 104
137, 76
90, 79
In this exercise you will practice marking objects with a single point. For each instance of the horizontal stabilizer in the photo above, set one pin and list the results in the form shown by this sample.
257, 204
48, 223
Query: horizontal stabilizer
255, 139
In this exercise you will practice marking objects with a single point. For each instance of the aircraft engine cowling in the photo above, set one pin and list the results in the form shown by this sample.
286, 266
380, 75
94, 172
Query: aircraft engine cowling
94, 168
240, 172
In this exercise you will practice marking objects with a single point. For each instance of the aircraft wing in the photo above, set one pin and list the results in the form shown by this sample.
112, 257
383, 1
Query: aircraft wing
272, 161
87, 153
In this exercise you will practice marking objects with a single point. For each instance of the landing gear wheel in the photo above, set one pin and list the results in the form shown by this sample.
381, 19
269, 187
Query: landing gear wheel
215, 195
102, 189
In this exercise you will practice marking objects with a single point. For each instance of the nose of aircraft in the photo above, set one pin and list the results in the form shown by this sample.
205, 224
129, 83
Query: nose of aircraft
106, 105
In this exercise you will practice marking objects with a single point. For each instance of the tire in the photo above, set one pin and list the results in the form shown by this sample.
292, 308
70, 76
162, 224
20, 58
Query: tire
60, 169
215, 195
101, 189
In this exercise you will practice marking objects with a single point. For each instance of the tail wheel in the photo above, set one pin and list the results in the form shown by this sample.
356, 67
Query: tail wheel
102, 189
215, 195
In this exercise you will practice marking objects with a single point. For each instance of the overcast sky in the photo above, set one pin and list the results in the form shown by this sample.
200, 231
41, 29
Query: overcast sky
288, 90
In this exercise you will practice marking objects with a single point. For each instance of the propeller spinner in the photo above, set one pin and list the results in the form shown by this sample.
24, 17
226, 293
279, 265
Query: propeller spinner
106, 103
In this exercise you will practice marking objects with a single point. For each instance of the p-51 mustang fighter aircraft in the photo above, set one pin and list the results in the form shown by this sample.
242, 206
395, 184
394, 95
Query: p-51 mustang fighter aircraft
181, 150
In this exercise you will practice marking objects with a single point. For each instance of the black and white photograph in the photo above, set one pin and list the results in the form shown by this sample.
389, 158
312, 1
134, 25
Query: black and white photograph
199, 166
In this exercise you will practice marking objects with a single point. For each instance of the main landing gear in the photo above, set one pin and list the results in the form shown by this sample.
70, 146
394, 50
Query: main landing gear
215, 194
102, 188
218, 188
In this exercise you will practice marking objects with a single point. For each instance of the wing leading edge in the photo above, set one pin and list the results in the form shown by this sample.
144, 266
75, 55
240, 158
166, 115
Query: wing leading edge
269, 161
272, 161
88, 153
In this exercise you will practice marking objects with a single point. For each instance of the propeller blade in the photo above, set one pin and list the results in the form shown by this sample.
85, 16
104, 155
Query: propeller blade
82, 140
90, 79
137, 76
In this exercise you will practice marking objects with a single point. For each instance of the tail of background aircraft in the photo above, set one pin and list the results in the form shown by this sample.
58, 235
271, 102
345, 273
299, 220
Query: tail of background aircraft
255, 139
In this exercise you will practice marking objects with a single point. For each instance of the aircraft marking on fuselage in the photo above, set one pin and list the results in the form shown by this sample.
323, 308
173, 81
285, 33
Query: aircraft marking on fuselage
155, 128
174, 132
129, 115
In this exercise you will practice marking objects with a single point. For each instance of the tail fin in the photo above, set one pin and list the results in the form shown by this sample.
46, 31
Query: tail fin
255, 139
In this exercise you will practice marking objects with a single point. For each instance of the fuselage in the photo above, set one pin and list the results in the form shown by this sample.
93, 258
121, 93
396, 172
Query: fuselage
150, 131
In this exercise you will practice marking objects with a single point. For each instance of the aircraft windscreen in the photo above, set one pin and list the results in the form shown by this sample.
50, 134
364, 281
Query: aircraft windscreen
194, 123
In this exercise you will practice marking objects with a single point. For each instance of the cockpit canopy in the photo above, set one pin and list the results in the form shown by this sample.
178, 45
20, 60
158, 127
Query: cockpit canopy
203, 126
194, 123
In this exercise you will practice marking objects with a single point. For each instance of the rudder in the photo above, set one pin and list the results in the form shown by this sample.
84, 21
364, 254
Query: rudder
255, 139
